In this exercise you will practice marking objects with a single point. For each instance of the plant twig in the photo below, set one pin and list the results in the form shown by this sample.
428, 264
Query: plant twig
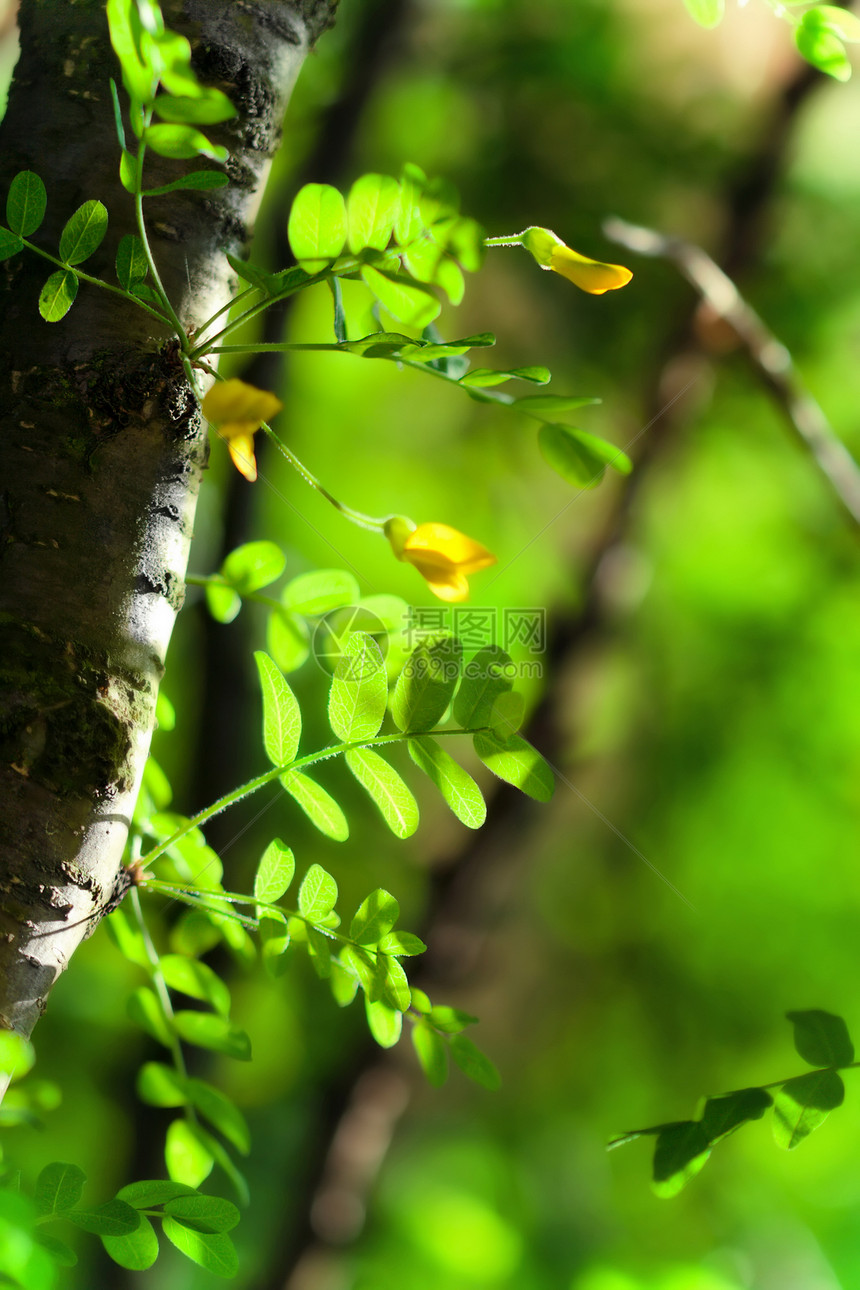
770, 358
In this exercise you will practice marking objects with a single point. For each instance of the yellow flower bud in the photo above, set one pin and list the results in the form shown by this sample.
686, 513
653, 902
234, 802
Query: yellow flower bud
592, 276
441, 554
238, 410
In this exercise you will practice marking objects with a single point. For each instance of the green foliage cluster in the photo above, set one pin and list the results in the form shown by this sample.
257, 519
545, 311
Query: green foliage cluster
800, 1105
821, 31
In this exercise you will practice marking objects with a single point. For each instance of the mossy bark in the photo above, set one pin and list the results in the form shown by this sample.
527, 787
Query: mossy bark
101, 454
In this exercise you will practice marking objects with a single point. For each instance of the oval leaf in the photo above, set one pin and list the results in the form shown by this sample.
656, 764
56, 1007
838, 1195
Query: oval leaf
454, 783
317, 226
253, 565
282, 719
26, 202
359, 690
207, 1030
517, 763
427, 683
83, 233
58, 295
213, 1251
382, 782
274, 872
407, 303
320, 808
317, 894
804, 1103
821, 1038
375, 916
136, 1250
372, 207
58, 1188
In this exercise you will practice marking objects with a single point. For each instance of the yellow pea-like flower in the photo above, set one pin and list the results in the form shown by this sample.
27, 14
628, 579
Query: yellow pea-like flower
441, 554
589, 275
237, 410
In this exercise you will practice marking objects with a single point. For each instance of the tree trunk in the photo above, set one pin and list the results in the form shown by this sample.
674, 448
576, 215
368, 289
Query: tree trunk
101, 453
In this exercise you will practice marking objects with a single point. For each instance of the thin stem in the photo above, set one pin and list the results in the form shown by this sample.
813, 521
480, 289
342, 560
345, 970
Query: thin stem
141, 228
516, 240
269, 601
260, 781
229, 305
357, 517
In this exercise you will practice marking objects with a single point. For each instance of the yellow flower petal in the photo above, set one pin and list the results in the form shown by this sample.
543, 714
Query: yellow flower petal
236, 401
453, 588
589, 275
241, 448
441, 547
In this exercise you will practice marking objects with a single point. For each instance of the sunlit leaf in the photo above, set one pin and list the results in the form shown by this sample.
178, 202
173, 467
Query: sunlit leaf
26, 203
83, 233
803, 1104
318, 805
427, 683
317, 226
680, 1152
359, 690
274, 872
282, 719
515, 761
382, 782
454, 783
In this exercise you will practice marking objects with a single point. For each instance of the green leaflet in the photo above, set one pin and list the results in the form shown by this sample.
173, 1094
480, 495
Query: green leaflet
187, 1155
221, 1113
802, 1104
206, 108
317, 226
58, 1188
317, 593
151, 1192
145, 1010
432, 1053
160, 1085
372, 207
407, 303
253, 565
26, 203
213, 1251
282, 719
203, 1213
320, 808
578, 457
286, 637
10, 244
484, 376
382, 782
375, 917
58, 295
680, 1153
427, 683
474, 1064
454, 783
83, 233
359, 690
182, 142
485, 677
191, 977
207, 1030
317, 894
114, 1218
385, 1023
516, 762
135, 1250
274, 872
821, 1038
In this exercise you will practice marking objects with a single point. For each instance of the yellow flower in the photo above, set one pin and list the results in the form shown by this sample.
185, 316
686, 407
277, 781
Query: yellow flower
442, 555
592, 276
238, 410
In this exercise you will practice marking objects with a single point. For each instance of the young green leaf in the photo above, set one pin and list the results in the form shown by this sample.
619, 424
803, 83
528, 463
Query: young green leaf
10, 244
221, 1113
160, 1085
375, 916
821, 1038
317, 226
578, 457
319, 952
207, 108
372, 207
58, 1188
131, 262
450, 1020
199, 180
25, 203
344, 986
485, 677
537, 404
454, 783
207, 1030
432, 1053
203, 1213
405, 944
197, 980
274, 943
707, 13
136, 1250
145, 1010
818, 41
507, 715
680, 1152
253, 565
83, 233
213, 1251
139, 79
517, 763
398, 806
484, 376
286, 639
317, 894
282, 719
317, 593
114, 1218
395, 984
385, 1023
804, 1103
150, 1192
474, 1064
409, 304
274, 872
359, 690
182, 142
187, 1155
845, 24
427, 683
320, 808
58, 295
722, 1115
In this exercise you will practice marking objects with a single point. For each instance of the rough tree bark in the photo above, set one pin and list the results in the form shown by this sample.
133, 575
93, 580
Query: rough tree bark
101, 453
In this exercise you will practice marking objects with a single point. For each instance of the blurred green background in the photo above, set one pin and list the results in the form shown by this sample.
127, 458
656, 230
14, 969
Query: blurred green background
701, 699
